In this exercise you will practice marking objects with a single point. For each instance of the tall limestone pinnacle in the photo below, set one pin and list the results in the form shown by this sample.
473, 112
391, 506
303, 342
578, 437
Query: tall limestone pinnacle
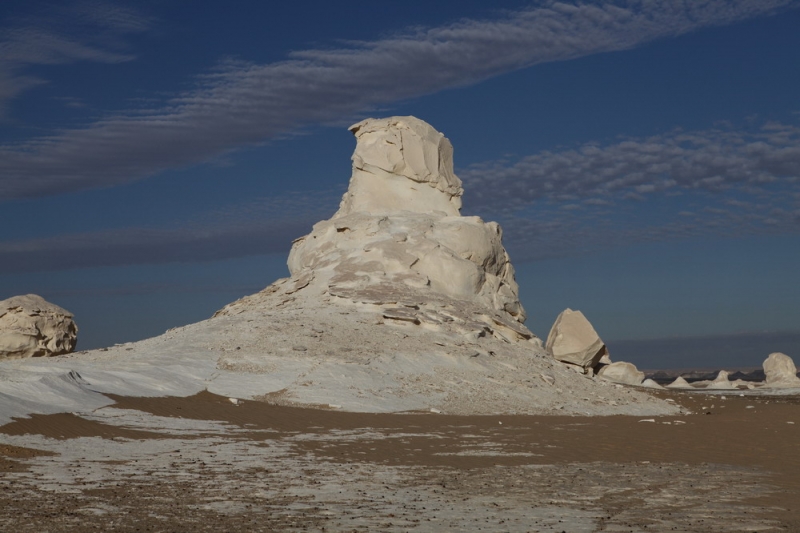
399, 227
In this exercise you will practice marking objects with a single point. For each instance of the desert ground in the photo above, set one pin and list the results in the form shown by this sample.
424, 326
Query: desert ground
203, 463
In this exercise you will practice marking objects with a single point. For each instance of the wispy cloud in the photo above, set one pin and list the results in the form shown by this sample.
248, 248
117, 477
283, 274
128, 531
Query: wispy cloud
722, 182
132, 246
713, 160
83, 31
241, 104
261, 226
574, 202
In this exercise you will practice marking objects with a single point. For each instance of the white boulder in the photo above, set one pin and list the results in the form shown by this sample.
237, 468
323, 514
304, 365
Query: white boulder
622, 372
780, 370
33, 327
572, 339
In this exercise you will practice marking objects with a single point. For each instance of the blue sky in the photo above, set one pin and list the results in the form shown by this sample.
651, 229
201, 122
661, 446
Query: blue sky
643, 157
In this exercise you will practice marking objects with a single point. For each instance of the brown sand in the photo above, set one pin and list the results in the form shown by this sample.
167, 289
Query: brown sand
737, 461
8, 454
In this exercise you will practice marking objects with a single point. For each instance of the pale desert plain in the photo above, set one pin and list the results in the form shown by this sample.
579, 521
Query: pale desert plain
389, 384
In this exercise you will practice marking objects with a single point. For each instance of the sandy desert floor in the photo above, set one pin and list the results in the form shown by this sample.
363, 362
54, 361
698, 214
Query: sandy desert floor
204, 464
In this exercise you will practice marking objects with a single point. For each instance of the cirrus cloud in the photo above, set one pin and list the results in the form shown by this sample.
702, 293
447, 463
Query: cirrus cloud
672, 186
241, 104
81, 32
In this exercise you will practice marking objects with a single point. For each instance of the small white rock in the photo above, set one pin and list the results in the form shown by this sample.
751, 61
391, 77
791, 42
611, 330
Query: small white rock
433, 410
648, 420
234, 401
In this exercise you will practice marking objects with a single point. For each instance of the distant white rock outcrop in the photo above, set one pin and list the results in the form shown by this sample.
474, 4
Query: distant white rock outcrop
30, 326
722, 381
780, 371
679, 383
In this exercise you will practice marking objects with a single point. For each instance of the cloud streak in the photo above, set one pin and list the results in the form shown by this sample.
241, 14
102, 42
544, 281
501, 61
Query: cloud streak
241, 104
684, 184
678, 185
713, 160
262, 226
86, 31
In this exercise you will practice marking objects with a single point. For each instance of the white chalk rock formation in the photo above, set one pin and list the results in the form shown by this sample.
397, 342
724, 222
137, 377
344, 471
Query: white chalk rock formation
780, 371
651, 384
397, 303
33, 327
572, 339
680, 383
398, 297
722, 381
398, 232
622, 372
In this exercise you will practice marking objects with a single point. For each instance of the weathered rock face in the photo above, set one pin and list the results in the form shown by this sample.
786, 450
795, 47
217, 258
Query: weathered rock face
780, 369
33, 327
401, 164
572, 339
399, 231
621, 372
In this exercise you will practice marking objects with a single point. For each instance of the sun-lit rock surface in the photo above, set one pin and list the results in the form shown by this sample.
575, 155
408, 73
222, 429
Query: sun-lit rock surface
622, 372
30, 326
572, 339
401, 164
399, 231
